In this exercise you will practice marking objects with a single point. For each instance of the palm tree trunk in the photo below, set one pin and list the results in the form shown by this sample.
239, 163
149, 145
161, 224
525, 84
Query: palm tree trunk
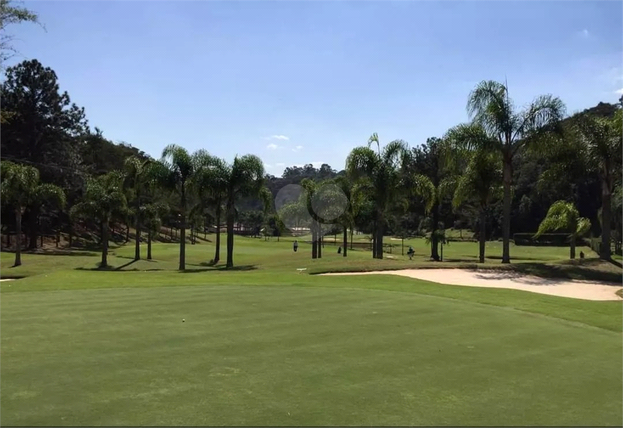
104, 262
606, 218
572, 247
351, 238
379, 241
217, 251
314, 240
434, 241
32, 229
319, 239
127, 232
483, 231
230, 230
506, 214
182, 265
137, 245
18, 237
149, 245
345, 243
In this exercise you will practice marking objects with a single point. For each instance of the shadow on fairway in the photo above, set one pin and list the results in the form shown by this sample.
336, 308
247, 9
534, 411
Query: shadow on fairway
578, 270
240, 268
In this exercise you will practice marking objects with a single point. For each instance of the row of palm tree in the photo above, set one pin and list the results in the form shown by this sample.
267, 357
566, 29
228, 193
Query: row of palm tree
476, 162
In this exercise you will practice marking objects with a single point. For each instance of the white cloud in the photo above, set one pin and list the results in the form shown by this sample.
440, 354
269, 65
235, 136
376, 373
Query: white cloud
297, 148
277, 137
272, 146
584, 33
619, 91
280, 164
268, 166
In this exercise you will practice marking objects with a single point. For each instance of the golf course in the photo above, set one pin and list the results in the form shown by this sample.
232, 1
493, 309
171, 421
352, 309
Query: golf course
272, 344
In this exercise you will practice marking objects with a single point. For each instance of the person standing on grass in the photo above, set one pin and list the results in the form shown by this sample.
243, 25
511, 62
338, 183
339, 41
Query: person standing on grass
296, 245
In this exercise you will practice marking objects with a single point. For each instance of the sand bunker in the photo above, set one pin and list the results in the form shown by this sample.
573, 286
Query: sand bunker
587, 290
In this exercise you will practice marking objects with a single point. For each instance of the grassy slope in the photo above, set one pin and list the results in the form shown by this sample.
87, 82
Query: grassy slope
92, 347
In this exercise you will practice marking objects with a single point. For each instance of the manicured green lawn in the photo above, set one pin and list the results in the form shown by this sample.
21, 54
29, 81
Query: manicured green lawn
297, 356
269, 345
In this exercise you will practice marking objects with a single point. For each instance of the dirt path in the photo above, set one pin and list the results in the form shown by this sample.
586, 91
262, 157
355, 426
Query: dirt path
586, 290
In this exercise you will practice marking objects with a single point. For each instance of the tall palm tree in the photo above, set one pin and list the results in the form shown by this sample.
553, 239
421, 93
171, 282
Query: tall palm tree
564, 215
601, 146
245, 177
378, 173
179, 171
482, 177
103, 199
137, 180
211, 185
151, 219
20, 188
510, 129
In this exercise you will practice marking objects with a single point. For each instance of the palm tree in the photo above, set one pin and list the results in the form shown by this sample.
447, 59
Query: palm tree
151, 219
377, 173
564, 215
600, 145
490, 107
245, 177
103, 199
137, 179
180, 170
482, 176
20, 188
211, 185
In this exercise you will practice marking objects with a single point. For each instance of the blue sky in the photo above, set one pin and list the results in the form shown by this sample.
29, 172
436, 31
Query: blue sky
298, 82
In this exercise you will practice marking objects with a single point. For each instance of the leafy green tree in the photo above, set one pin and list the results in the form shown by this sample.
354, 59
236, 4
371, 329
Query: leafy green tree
377, 173
564, 215
10, 13
211, 185
20, 189
490, 107
103, 200
179, 170
137, 178
601, 146
481, 179
245, 178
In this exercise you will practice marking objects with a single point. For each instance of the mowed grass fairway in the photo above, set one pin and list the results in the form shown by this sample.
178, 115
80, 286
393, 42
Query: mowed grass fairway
266, 345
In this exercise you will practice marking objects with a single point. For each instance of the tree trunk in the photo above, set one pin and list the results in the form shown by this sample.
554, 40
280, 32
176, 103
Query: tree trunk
314, 240
18, 237
217, 251
379, 240
572, 247
149, 245
345, 243
71, 235
33, 234
104, 263
606, 218
483, 232
137, 244
231, 213
127, 232
182, 265
319, 239
506, 215
351, 238
434, 241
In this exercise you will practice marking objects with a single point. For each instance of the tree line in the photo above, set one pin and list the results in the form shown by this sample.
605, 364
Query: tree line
497, 174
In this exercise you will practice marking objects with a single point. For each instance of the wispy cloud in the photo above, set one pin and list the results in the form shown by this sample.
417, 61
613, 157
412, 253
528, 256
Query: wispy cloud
277, 137
272, 146
619, 91
280, 164
584, 33
297, 148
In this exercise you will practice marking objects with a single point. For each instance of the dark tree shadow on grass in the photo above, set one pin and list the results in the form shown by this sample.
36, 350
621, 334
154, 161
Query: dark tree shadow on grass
240, 268
579, 271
